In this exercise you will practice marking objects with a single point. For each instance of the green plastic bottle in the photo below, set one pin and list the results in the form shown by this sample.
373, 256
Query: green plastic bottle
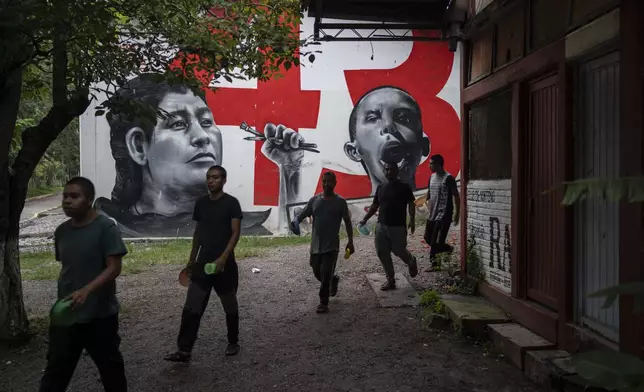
210, 268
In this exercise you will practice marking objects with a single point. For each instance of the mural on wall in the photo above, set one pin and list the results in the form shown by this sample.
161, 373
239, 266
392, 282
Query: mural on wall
345, 113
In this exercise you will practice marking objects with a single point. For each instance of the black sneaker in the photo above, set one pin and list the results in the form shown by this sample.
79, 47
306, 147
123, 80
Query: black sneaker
388, 285
334, 286
322, 308
232, 349
413, 268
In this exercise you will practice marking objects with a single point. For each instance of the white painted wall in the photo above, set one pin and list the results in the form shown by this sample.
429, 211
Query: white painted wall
488, 221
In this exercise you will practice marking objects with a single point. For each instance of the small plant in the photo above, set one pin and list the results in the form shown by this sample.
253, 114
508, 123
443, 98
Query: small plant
432, 300
474, 265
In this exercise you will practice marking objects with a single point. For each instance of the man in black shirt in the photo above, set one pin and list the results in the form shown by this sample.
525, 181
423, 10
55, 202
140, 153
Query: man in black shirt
393, 198
218, 216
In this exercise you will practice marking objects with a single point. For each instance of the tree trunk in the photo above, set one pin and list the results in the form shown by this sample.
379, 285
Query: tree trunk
35, 141
13, 319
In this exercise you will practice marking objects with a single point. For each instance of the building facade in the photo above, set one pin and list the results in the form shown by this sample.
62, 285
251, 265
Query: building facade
552, 92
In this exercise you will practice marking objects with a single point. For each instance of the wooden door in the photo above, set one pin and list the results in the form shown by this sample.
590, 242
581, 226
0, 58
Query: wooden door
542, 165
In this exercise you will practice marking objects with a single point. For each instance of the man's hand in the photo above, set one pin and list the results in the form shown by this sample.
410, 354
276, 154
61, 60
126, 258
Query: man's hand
221, 263
351, 248
78, 297
362, 222
412, 227
282, 146
190, 267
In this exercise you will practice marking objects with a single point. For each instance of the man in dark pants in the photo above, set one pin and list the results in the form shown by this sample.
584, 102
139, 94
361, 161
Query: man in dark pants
218, 216
442, 195
90, 248
393, 198
327, 209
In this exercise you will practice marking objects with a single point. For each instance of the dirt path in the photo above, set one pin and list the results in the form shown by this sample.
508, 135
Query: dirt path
285, 345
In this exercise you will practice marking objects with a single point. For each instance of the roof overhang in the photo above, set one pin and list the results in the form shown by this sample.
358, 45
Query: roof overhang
385, 20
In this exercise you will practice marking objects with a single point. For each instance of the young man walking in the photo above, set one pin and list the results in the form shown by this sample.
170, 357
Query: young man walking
442, 196
328, 210
218, 216
90, 249
393, 198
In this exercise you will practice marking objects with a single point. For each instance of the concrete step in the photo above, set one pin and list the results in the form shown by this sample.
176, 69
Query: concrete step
472, 315
513, 340
535, 356
403, 296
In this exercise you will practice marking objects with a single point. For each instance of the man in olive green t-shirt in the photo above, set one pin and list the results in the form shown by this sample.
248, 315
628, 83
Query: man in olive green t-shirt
90, 249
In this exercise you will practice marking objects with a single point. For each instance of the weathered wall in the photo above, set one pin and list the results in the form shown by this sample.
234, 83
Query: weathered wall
488, 222
148, 179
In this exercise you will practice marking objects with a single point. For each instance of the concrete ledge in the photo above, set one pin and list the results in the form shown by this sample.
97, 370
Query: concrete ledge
539, 369
472, 315
514, 340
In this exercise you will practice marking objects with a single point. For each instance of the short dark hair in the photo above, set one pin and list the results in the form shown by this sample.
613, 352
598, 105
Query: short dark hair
85, 184
329, 174
220, 169
353, 117
438, 158
148, 91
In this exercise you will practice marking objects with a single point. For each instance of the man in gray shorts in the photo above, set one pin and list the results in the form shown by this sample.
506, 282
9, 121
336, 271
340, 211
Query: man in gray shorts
327, 209
393, 198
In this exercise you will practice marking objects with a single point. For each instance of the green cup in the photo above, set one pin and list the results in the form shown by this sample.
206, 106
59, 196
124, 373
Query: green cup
210, 268
62, 314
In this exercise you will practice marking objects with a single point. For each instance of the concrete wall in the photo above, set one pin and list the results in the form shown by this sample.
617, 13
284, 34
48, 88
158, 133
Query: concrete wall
488, 222
148, 178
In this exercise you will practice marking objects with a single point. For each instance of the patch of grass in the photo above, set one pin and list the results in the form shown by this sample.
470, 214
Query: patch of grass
46, 190
432, 300
141, 256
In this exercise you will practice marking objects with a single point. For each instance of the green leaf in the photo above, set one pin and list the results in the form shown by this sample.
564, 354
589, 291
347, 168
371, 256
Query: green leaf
611, 189
613, 292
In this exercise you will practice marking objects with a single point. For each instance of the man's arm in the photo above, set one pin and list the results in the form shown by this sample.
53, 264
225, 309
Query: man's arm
347, 224
235, 225
428, 196
113, 251
194, 252
195, 245
373, 208
411, 206
306, 212
457, 200
111, 272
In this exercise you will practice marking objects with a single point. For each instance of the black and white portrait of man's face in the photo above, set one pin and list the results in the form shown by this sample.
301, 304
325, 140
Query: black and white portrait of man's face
385, 126
181, 147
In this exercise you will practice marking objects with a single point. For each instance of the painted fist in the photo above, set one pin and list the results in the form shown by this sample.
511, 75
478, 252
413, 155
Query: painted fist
282, 146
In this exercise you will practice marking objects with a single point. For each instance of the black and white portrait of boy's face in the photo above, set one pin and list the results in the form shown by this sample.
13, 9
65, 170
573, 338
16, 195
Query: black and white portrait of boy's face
182, 146
386, 126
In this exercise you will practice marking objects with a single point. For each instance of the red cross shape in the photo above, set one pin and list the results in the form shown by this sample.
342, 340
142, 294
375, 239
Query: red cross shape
277, 101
